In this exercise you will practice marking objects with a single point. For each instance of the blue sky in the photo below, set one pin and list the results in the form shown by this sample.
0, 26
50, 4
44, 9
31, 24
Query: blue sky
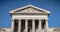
51, 5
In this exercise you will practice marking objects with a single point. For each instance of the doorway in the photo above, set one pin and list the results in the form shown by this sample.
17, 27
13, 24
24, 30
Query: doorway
15, 25
30, 25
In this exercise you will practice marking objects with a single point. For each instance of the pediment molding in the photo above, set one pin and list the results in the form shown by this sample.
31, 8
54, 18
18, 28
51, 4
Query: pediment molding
30, 9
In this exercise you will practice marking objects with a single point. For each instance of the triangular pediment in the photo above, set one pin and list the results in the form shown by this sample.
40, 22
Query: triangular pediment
29, 9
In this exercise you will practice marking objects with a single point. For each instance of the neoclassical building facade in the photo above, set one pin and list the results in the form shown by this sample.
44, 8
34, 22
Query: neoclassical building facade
29, 19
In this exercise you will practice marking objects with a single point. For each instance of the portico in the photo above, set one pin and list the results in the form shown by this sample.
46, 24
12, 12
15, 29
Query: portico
29, 19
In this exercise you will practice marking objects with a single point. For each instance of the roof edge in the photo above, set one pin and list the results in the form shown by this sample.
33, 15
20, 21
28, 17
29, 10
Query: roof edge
12, 11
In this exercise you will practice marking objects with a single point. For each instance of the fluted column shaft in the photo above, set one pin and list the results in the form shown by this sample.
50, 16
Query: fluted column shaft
40, 28
33, 26
46, 25
26, 25
19, 26
12, 28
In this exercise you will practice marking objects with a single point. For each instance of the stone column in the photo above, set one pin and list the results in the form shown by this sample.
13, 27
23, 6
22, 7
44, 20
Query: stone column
26, 25
33, 26
12, 27
46, 25
19, 26
40, 26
